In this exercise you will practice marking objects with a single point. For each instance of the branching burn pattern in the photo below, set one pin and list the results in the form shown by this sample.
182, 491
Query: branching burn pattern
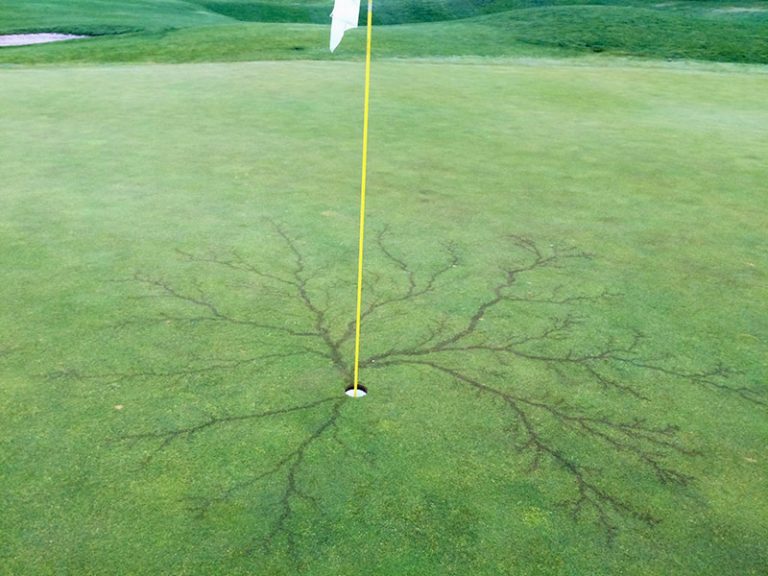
479, 352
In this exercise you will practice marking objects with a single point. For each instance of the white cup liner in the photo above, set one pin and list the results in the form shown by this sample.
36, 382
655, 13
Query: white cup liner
361, 391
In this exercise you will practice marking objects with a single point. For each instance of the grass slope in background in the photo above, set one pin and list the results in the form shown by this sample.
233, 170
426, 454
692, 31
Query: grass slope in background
102, 16
390, 12
235, 31
134, 195
151, 14
703, 34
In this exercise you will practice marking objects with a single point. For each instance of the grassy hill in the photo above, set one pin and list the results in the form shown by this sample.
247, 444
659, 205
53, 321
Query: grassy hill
102, 16
154, 14
219, 30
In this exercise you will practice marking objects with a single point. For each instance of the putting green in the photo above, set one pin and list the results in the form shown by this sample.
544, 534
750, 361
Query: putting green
564, 341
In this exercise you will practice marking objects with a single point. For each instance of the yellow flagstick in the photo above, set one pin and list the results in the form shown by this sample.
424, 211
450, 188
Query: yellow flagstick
362, 195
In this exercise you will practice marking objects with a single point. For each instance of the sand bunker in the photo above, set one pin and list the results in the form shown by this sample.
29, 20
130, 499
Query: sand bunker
27, 39
738, 9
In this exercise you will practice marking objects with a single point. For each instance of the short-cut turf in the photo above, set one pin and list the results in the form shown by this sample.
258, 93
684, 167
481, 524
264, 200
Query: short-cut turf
163, 228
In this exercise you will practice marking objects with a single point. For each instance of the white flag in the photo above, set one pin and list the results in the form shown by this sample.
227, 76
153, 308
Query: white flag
344, 17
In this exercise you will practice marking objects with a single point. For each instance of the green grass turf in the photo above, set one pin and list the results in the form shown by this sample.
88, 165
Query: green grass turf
179, 242
102, 16
242, 31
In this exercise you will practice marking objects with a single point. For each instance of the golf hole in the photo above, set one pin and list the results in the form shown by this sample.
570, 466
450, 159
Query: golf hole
361, 391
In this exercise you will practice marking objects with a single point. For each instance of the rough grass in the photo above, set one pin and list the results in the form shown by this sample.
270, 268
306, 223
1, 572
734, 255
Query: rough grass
170, 403
102, 16
235, 31
696, 33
